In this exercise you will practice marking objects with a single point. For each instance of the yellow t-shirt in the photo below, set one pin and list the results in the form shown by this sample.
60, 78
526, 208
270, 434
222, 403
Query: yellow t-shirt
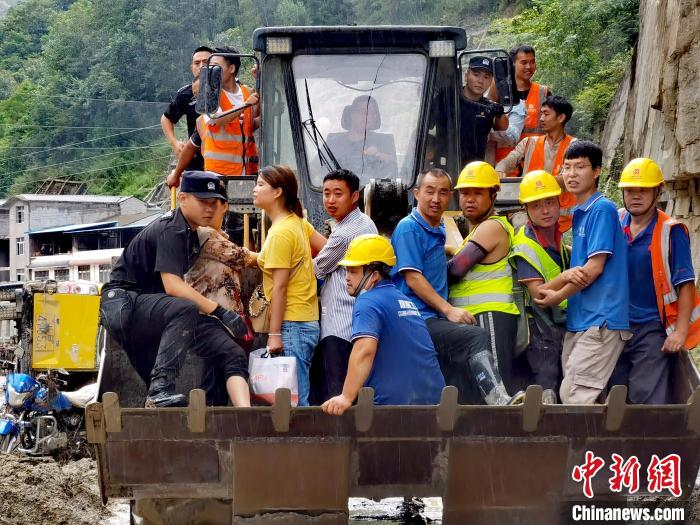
286, 244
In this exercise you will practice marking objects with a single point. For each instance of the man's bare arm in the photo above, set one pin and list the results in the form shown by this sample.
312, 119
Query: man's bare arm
175, 286
422, 288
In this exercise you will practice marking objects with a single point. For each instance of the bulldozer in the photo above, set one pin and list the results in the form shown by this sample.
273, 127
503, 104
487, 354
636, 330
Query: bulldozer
279, 464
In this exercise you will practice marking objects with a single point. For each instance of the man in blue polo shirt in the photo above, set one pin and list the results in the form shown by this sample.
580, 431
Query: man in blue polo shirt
662, 287
421, 274
597, 319
391, 349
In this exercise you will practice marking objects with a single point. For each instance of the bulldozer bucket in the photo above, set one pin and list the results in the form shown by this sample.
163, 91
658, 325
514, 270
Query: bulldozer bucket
489, 464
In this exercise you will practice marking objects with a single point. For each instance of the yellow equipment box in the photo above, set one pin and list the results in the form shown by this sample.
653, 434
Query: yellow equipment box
65, 331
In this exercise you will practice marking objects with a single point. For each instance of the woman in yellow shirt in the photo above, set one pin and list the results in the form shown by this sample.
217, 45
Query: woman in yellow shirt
288, 276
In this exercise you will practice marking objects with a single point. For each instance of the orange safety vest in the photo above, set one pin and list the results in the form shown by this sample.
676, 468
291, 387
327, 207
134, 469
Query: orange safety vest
534, 160
666, 296
230, 148
533, 105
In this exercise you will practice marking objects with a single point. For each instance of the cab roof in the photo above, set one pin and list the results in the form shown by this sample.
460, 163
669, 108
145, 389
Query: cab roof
368, 37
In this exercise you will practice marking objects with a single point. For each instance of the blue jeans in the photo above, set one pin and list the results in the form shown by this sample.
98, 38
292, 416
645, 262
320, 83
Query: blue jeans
299, 339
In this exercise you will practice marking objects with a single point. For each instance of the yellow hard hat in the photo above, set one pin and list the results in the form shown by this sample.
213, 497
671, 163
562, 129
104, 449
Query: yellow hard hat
478, 174
537, 185
367, 249
641, 173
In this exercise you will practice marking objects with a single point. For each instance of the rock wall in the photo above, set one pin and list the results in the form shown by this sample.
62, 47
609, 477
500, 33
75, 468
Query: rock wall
656, 111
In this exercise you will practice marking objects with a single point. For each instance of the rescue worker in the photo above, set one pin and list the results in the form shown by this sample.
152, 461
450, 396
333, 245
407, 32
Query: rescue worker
341, 193
478, 115
480, 276
597, 316
421, 274
546, 152
150, 310
664, 304
532, 93
183, 104
538, 256
391, 349
227, 142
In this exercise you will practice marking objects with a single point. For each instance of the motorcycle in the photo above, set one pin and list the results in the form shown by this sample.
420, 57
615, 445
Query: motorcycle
39, 419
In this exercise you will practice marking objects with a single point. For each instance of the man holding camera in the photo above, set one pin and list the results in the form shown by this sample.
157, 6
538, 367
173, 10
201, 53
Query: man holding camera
478, 115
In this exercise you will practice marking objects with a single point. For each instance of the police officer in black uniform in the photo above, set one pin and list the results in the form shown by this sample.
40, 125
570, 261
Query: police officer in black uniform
149, 309
183, 104
478, 115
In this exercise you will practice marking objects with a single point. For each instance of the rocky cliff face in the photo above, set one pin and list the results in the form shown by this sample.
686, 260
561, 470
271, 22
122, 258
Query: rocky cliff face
656, 111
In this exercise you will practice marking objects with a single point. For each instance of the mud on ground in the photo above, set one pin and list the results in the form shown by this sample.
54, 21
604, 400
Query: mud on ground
40, 491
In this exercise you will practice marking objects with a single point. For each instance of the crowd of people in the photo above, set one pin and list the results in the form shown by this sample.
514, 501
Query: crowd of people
411, 314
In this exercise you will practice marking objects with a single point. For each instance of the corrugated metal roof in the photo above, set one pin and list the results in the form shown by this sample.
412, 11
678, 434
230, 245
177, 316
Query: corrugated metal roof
34, 197
74, 227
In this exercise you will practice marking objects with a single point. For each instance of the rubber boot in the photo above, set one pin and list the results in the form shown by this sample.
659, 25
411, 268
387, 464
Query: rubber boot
161, 393
489, 381
549, 397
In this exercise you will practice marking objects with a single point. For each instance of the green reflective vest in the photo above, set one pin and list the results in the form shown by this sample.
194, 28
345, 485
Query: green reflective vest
532, 252
486, 287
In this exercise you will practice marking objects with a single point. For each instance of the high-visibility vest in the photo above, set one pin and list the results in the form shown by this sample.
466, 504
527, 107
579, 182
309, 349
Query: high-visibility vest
486, 287
532, 252
230, 148
534, 160
533, 105
666, 295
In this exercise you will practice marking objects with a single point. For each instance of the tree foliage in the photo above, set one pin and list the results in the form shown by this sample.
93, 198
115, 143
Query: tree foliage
83, 82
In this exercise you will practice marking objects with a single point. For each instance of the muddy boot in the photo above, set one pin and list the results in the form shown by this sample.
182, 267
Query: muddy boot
489, 381
549, 397
161, 394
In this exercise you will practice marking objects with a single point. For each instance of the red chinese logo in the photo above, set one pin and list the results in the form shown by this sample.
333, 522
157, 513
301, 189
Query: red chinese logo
625, 474
665, 474
587, 471
662, 474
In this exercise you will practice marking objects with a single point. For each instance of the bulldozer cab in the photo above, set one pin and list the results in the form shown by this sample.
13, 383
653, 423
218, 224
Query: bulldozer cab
382, 102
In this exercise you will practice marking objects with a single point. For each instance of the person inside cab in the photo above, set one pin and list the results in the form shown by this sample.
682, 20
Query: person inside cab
664, 303
341, 193
463, 348
149, 309
539, 256
391, 349
546, 152
477, 114
481, 280
597, 316
361, 148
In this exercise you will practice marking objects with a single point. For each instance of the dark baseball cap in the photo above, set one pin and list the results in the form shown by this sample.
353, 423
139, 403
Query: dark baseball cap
484, 63
203, 185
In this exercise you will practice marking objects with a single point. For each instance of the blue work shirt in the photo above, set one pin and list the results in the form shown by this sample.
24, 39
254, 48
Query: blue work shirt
420, 247
605, 302
405, 369
643, 306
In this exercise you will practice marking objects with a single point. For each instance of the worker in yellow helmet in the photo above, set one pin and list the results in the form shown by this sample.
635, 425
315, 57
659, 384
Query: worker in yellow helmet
481, 279
392, 351
538, 257
664, 308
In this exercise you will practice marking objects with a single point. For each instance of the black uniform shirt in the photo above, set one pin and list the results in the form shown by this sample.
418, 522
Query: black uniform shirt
476, 121
183, 104
166, 245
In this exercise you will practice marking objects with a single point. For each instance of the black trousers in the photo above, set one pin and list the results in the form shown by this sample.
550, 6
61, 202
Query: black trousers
643, 367
544, 354
502, 329
455, 343
329, 367
157, 330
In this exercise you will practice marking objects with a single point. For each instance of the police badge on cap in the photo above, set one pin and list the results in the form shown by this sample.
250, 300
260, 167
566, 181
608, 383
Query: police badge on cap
203, 185
481, 62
